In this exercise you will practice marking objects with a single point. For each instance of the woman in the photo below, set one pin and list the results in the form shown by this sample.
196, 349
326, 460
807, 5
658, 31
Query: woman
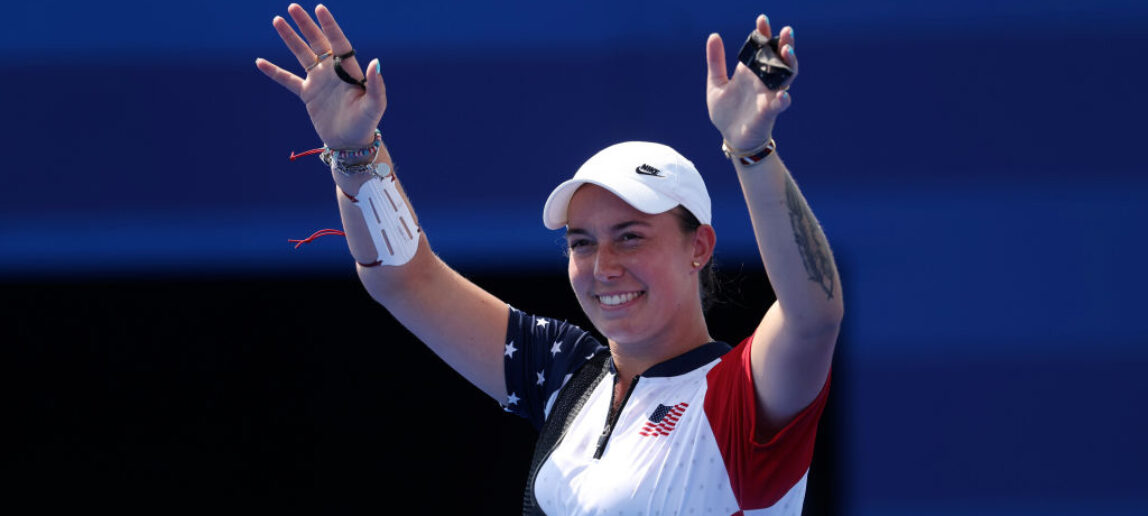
663, 418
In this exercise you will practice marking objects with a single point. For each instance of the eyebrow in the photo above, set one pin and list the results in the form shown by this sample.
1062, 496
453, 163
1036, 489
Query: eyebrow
616, 228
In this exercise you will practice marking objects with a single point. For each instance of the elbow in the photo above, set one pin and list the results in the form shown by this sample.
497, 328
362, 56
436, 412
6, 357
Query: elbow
381, 287
819, 313
388, 284
825, 330
828, 317
831, 319
821, 324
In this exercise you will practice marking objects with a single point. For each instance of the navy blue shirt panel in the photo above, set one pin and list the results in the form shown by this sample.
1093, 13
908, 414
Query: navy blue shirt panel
540, 354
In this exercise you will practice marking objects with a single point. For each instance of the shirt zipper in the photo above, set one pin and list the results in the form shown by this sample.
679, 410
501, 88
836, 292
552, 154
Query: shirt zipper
612, 417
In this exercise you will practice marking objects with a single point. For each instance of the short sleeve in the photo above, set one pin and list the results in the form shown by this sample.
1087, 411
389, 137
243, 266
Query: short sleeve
540, 355
760, 473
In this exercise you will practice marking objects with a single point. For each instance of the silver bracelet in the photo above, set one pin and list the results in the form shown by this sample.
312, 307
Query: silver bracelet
380, 169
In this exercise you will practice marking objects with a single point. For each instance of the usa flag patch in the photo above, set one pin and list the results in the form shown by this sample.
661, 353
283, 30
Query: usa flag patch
663, 419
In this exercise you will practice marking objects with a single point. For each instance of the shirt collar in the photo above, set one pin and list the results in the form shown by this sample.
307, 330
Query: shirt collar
685, 362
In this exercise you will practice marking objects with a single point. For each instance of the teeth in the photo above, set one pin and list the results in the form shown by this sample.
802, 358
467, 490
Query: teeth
618, 299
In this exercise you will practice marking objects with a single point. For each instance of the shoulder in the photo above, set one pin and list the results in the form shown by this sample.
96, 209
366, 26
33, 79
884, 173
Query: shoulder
763, 465
540, 355
731, 399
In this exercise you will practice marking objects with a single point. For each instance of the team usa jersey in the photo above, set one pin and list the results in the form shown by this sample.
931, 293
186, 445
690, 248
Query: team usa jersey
683, 442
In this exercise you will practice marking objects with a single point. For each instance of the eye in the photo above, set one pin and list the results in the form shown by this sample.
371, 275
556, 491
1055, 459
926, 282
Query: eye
578, 245
631, 238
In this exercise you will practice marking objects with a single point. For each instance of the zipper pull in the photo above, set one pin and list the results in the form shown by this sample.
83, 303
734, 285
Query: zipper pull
603, 440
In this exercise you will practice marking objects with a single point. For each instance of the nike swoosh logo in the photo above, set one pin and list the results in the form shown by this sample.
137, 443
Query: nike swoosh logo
647, 170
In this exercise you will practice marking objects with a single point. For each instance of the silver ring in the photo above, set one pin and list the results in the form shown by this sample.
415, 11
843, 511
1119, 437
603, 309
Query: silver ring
318, 59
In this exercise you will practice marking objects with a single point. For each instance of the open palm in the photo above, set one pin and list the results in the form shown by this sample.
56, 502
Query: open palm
741, 107
345, 116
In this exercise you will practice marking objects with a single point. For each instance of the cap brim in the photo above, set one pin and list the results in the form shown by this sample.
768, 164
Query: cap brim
640, 196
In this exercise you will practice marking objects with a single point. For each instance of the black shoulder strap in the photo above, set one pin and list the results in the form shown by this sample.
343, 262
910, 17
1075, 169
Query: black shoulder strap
569, 402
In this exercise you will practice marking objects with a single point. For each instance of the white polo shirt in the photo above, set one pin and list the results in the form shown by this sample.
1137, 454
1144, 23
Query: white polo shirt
684, 441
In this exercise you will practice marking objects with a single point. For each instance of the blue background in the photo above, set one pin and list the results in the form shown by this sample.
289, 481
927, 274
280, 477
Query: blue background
977, 166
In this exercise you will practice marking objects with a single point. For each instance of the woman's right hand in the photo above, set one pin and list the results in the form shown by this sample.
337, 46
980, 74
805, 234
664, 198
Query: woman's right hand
344, 116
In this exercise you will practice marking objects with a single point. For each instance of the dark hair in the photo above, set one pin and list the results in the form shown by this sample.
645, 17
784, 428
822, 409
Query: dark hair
707, 278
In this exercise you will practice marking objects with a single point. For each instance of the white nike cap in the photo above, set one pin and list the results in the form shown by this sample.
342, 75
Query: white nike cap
651, 177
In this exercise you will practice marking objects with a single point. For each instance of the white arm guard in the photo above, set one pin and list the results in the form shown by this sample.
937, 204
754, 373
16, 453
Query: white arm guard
389, 220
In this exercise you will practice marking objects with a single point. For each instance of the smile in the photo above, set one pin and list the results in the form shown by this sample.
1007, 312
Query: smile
619, 299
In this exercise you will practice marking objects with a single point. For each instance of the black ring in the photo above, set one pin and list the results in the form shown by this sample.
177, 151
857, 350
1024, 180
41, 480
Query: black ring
346, 77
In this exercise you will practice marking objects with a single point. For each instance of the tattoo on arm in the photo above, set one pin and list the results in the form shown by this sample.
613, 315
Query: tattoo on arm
811, 243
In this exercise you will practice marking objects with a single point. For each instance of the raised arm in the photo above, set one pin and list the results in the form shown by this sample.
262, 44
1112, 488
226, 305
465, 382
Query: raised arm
459, 321
793, 346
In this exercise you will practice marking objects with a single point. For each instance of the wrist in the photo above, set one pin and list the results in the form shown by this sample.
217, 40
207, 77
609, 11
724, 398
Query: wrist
744, 138
354, 143
349, 184
340, 158
750, 156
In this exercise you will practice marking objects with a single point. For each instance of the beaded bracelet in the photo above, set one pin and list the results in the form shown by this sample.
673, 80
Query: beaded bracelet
341, 156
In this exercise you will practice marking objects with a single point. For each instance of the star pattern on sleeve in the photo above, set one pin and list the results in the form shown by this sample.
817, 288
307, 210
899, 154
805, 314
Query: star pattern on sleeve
527, 362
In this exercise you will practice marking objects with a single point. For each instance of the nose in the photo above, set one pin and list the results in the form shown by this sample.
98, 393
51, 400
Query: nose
606, 264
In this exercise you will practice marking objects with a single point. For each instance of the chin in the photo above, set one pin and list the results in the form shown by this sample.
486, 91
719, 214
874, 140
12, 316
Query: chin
621, 330
617, 325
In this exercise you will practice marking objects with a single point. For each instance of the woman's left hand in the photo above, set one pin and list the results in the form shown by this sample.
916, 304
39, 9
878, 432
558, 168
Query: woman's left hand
741, 107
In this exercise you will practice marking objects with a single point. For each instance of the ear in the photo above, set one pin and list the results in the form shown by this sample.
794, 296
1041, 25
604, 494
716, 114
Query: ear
705, 239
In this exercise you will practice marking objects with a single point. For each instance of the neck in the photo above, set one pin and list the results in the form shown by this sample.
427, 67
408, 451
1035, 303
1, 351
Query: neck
634, 358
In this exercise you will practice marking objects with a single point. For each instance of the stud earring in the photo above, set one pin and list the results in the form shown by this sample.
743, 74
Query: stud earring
697, 264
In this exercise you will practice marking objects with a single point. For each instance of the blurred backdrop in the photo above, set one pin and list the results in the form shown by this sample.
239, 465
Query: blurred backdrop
976, 165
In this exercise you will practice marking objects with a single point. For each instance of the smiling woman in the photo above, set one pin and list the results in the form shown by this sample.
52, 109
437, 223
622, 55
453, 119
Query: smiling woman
631, 272
633, 269
661, 418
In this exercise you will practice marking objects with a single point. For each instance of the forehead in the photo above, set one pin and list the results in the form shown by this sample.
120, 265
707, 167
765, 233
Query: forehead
590, 200
594, 207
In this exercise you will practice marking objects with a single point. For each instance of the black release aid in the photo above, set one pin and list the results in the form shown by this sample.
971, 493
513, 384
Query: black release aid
762, 56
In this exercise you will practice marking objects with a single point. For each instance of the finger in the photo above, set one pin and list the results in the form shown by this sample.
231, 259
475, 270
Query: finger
312, 32
786, 38
774, 104
715, 62
338, 41
763, 26
790, 58
376, 88
286, 79
784, 100
294, 43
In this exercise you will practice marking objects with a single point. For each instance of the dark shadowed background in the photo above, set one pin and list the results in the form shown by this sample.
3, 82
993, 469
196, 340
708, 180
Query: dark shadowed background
977, 167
